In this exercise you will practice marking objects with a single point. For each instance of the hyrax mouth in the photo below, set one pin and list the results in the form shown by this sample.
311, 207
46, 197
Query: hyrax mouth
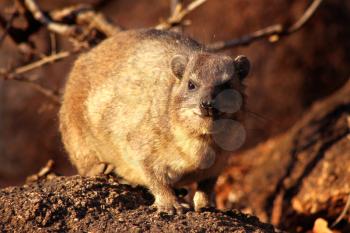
210, 113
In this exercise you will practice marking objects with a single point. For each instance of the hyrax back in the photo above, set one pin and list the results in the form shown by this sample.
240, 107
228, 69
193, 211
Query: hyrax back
144, 104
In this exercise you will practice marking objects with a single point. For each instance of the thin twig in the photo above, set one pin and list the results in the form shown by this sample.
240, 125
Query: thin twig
343, 213
19, 36
179, 14
173, 5
62, 29
84, 14
43, 173
45, 60
98, 21
305, 17
273, 33
8, 25
51, 94
68, 12
17, 74
53, 43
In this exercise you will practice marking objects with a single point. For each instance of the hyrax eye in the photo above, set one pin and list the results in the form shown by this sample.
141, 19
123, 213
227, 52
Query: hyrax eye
191, 85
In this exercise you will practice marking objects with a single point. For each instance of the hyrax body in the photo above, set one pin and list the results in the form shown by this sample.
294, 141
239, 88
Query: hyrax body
140, 104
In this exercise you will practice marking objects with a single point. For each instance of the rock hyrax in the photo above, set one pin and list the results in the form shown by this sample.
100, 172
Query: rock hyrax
143, 104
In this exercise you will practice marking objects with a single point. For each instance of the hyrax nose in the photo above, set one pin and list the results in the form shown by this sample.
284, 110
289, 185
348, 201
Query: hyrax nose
206, 103
206, 106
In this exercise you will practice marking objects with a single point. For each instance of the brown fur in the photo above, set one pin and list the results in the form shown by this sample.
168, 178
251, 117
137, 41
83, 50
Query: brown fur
124, 107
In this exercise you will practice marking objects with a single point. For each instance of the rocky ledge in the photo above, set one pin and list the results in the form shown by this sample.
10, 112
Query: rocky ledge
102, 204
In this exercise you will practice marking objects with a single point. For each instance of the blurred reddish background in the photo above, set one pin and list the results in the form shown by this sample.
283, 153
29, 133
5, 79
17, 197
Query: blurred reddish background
286, 77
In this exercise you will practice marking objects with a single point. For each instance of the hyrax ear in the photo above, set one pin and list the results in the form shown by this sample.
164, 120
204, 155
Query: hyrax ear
178, 65
242, 66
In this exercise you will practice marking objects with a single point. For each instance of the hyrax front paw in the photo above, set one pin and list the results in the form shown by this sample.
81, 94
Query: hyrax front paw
171, 207
100, 169
201, 200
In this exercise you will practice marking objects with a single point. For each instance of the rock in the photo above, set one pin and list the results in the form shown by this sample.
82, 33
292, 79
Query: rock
101, 204
295, 178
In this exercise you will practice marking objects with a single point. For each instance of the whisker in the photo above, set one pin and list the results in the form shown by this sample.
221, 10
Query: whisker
255, 129
256, 115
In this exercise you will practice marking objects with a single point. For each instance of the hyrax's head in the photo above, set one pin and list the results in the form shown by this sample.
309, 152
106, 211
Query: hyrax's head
209, 88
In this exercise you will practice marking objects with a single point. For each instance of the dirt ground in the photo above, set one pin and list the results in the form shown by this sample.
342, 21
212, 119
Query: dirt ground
78, 204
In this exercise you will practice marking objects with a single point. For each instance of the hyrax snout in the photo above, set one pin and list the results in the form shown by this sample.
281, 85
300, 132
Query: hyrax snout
157, 109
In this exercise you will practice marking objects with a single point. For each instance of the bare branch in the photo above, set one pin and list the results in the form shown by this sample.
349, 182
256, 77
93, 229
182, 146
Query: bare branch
44, 172
345, 210
7, 27
45, 60
17, 74
62, 29
80, 28
305, 17
68, 12
86, 15
51, 94
19, 35
179, 14
98, 21
173, 5
273, 33
53, 43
